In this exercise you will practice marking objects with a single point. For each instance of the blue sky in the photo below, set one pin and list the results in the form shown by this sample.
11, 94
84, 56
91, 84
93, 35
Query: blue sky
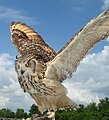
56, 21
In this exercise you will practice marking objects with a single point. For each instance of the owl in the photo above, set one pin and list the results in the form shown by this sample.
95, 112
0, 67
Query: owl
41, 70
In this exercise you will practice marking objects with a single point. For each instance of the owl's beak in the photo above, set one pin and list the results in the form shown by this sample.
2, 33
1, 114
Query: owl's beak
22, 71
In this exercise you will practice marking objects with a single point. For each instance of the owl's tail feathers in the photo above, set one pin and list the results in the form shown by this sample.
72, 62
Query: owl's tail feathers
66, 102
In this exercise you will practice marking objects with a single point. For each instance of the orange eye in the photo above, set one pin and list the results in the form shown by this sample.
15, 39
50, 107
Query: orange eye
28, 64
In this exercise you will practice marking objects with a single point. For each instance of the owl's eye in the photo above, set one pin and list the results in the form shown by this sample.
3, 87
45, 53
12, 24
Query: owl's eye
28, 64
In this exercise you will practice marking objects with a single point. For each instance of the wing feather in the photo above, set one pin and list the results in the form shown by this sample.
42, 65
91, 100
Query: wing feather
69, 57
29, 42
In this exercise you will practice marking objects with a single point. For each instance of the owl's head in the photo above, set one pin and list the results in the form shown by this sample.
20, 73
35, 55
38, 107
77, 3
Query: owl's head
23, 66
26, 66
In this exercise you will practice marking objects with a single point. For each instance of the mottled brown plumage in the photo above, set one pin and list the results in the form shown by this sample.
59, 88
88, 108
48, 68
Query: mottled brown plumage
28, 42
41, 70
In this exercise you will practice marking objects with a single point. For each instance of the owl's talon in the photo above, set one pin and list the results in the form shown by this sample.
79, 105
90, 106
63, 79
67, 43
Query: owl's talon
39, 117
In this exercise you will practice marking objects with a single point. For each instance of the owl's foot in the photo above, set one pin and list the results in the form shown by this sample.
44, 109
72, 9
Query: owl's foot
40, 117
51, 114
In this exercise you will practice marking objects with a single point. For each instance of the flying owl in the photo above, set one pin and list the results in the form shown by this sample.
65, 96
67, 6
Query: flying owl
41, 70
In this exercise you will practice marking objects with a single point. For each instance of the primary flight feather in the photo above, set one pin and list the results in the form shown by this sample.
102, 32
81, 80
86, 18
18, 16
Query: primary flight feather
41, 70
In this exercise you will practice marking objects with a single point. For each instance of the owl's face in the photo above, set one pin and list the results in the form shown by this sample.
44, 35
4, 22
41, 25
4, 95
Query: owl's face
25, 67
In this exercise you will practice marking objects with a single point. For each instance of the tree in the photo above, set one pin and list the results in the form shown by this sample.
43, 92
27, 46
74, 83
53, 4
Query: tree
91, 107
33, 110
25, 115
19, 113
103, 108
7, 113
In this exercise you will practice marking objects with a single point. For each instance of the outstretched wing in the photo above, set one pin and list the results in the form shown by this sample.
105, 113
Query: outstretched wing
28, 42
66, 62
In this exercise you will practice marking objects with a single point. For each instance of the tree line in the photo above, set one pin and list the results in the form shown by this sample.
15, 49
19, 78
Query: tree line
19, 113
90, 112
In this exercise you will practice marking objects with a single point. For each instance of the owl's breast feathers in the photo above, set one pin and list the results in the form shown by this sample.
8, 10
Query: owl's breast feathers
28, 42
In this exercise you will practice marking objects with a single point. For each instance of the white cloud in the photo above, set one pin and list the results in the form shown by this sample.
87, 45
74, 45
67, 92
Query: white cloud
91, 81
11, 14
11, 95
3, 101
105, 4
